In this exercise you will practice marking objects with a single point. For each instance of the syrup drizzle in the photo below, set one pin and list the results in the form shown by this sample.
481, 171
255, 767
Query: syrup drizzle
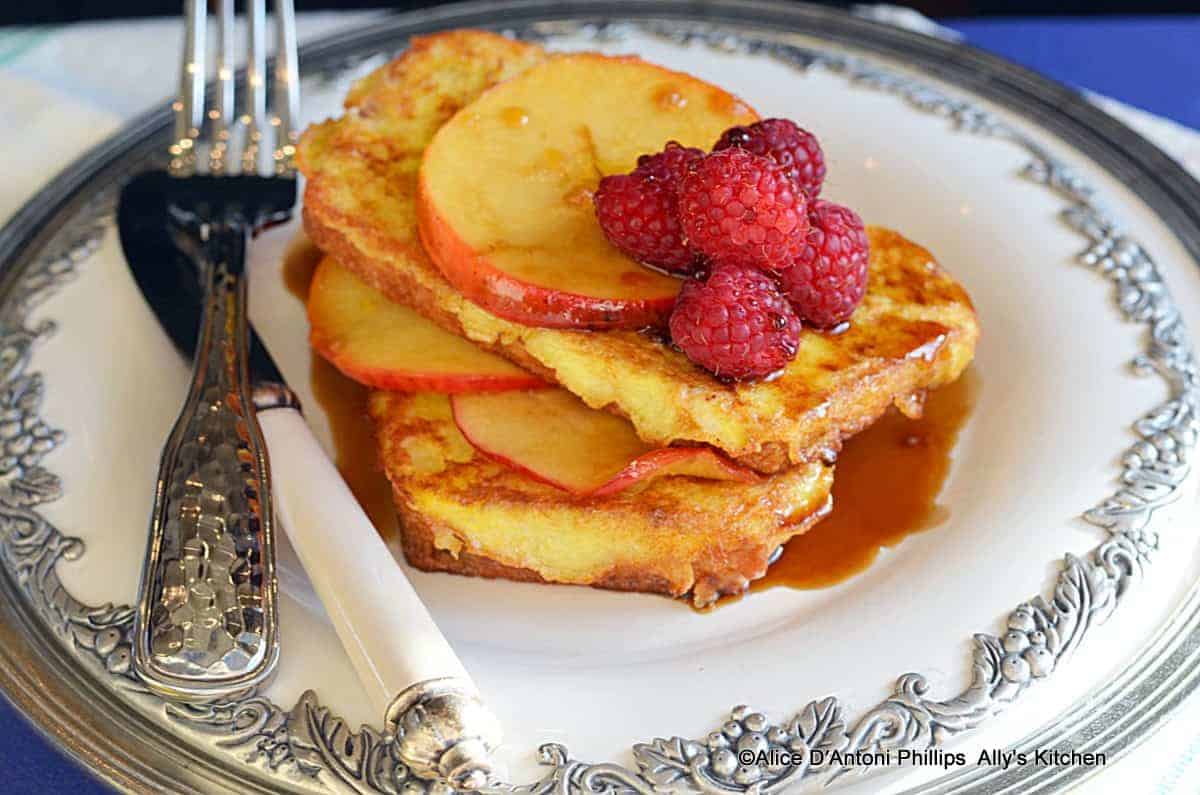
885, 488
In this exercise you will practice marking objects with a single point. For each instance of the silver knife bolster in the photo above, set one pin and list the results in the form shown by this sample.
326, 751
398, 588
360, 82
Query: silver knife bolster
206, 619
445, 731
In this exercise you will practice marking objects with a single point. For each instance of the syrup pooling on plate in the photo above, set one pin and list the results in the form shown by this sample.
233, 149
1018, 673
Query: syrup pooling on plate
299, 264
885, 488
345, 405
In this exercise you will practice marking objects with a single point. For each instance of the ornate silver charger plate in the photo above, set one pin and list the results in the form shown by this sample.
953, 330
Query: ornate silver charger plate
1079, 241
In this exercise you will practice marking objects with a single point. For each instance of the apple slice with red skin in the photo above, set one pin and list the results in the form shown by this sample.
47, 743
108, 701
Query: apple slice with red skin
504, 198
386, 345
694, 461
552, 436
521, 301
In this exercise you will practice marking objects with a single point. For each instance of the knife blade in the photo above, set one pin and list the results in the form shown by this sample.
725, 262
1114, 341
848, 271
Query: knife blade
168, 277
410, 672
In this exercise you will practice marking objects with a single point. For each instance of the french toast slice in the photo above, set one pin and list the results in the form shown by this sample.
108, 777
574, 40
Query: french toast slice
464, 513
915, 330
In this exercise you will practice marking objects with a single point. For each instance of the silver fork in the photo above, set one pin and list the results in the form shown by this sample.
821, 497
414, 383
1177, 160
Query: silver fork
206, 625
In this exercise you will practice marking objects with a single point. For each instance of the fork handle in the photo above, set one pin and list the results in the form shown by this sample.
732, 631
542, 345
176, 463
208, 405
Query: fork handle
411, 674
206, 625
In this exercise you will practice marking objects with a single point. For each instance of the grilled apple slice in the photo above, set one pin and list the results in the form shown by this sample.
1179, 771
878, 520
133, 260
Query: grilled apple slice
697, 462
389, 346
550, 435
505, 193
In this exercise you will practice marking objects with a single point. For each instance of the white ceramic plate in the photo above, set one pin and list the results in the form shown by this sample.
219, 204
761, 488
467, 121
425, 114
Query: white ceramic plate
1066, 229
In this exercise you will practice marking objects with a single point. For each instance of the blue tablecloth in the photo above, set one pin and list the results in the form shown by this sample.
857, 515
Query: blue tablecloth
1150, 62
1153, 64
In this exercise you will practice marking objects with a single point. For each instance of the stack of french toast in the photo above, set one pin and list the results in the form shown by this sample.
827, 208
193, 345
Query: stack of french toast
537, 413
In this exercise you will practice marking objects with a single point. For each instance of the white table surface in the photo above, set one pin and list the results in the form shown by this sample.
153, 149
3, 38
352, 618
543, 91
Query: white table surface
64, 89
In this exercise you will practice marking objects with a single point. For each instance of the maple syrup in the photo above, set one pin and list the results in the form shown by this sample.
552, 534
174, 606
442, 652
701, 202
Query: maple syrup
514, 116
885, 488
886, 485
299, 263
668, 97
344, 402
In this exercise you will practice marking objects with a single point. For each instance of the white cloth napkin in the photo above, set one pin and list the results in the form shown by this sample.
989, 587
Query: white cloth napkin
63, 90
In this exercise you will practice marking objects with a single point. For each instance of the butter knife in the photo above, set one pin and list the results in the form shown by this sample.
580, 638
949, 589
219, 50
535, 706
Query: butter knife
408, 668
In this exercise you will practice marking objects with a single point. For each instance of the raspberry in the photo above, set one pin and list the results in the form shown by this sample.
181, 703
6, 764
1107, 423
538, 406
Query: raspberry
735, 324
670, 165
640, 216
738, 208
828, 280
795, 150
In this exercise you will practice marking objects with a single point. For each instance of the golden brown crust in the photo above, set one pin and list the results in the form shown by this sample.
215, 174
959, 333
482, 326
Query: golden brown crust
417, 533
464, 513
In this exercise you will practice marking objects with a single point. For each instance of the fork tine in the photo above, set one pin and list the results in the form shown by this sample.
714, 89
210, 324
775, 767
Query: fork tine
256, 85
287, 86
189, 106
221, 113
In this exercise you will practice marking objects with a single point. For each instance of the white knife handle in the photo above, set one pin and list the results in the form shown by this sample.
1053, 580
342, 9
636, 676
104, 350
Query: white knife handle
409, 670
